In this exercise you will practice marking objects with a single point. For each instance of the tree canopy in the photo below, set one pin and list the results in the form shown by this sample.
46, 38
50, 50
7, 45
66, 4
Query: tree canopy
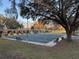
63, 12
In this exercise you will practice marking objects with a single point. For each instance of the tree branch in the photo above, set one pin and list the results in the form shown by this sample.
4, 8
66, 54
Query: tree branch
76, 15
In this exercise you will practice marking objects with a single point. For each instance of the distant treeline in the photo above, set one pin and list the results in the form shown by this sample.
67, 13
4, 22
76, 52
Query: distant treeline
10, 23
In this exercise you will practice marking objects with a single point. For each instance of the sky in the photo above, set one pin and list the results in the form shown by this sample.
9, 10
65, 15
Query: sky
6, 4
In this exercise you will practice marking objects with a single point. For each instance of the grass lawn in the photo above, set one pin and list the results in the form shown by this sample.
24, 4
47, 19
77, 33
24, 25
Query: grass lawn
57, 32
18, 50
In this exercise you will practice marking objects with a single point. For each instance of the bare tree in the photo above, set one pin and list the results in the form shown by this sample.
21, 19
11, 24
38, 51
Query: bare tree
12, 11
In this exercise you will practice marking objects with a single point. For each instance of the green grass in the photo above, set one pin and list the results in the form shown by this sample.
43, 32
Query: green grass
57, 32
18, 50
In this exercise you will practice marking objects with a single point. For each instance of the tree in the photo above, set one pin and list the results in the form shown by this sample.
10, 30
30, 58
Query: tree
63, 12
12, 11
10, 23
13, 24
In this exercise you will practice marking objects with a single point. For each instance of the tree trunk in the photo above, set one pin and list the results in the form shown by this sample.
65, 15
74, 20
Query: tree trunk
69, 36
